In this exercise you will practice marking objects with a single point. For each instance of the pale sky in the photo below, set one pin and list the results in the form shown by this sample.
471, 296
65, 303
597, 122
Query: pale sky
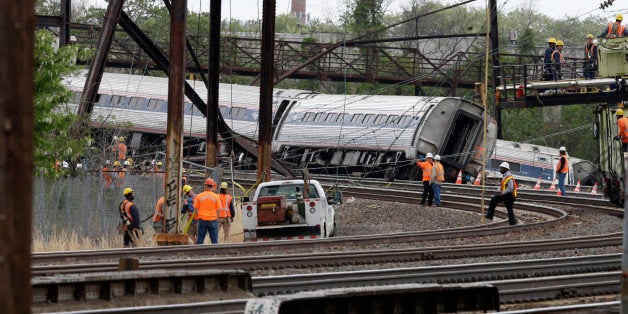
330, 9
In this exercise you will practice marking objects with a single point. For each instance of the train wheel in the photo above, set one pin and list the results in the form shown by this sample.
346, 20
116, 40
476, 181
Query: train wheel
390, 174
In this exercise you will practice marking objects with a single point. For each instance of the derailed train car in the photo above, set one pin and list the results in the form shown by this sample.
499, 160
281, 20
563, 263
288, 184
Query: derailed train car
369, 135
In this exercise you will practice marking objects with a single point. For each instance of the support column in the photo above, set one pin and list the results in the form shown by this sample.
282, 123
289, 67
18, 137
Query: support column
16, 153
266, 91
212, 91
495, 60
64, 31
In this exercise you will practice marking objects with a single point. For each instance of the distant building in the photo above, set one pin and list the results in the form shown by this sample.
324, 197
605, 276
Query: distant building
298, 9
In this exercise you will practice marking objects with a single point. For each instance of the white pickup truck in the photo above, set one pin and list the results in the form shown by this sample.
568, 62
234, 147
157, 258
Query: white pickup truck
282, 210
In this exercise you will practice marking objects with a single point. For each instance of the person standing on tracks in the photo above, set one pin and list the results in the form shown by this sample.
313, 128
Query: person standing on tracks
130, 217
590, 58
562, 168
119, 149
437, 178
426, 168
207, 203
615, 29
188, 207
558, 60
159, 219
548, 67
507, 194
226, 213
622, 125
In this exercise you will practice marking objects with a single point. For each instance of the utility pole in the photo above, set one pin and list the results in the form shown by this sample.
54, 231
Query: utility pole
495, 57
266, 91
174, 127
17, 23
212, 91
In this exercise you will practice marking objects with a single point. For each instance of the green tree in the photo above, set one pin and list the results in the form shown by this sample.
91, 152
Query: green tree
54, 120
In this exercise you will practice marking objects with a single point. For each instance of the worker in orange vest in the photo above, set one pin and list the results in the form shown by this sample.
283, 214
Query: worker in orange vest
207, 204
106, 174
562, 168
426, 167
130, 218
437, 178
622, 125
614, 29
159, 218
119, 148
507, 194
226, 213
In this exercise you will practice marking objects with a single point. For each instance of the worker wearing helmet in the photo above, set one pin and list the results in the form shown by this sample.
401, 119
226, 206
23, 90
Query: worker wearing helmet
437, 178
130, 218
226, 211
207, 204
107, 174
558, 60
590, 58
119, 148
118, 174
622, 125
188, 207
426, 168
507, 194
614, 29
548, 69
159, 218
562, 168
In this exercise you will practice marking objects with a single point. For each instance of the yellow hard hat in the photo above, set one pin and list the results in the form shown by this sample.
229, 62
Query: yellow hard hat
130, 160
619, 17
224, 185
590, 36
127, 191
559, 43
552, 40
159, 163
619, 112
116, 163
186, 188
121, 138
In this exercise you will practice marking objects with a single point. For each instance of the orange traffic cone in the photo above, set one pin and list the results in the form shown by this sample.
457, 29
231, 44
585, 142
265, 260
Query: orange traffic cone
459, 179
594, 189
477, 180
538, 184
577, 189
553, 186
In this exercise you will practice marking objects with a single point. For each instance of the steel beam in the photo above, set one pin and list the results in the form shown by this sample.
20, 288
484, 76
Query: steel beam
16, 153
92, 83
174, 125
495, 59
213, 89
266, 91
64, 31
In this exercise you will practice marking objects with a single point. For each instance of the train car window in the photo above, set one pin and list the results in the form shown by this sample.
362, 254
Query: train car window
155, 104
238, 112
187, 108
392, 119
379, 119
516, 145
543, 159
368, 119
224, 110
103, 99
403, 120
308, 117
342, 117
196, 112
137, 103
357, 118
331, 117
514, 166
319, 117
534, 148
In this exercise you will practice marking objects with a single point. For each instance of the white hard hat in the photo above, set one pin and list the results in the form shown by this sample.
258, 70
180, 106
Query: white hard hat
437, 157
562, 149
127, 163
107, 162
429, 155
65, 164
504, 165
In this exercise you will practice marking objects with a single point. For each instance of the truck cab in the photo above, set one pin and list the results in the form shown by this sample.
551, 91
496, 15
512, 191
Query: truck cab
289, 209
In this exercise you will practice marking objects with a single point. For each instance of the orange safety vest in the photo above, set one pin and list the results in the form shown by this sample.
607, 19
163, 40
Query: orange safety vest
207, 205
560, 54
622, 123
121, 151
505, 184
439, 172
565, 168
225, 200
426, 166
125, 210
159, 210
615, 27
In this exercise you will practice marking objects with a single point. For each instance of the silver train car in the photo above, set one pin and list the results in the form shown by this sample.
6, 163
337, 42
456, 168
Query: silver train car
368, 135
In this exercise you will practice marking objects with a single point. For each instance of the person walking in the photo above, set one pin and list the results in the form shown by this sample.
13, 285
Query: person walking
622, 125
590, 58
548, 67
615, 29
507, 194
558, 60
437, 178
207, 204
226, 213
562, 168
159, 219
188, 207
130, 217
426, 168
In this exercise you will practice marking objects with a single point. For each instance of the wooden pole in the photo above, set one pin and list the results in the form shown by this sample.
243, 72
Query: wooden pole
16, 153
212, 91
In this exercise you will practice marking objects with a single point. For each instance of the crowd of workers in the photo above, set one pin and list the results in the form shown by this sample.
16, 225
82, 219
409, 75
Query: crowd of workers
553, 59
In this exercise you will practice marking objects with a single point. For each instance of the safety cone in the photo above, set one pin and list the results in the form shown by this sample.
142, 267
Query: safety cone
594, 189
459, 179
577, 189
553, 186
538, 184
477, 180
